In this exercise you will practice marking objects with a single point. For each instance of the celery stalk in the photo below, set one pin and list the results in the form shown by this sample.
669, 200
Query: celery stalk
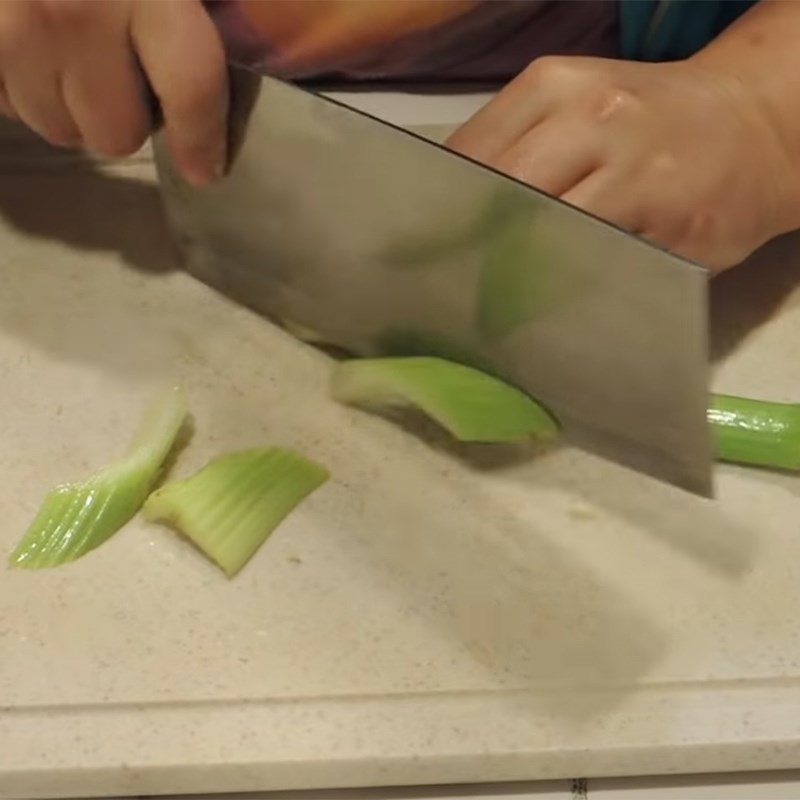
230, 507
77, 517
472, 406
755, 431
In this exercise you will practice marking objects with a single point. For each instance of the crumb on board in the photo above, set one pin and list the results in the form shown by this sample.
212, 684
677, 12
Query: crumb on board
582, 514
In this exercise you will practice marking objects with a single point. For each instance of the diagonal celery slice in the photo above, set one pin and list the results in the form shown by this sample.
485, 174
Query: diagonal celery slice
472, 406
77, 517
230, 507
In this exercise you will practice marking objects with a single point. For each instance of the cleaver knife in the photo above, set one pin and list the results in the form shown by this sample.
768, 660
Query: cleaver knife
353, 233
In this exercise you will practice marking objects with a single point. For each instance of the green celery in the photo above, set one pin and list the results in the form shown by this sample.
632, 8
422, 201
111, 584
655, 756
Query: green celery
755, 431
78, 517
230, 507
471, 405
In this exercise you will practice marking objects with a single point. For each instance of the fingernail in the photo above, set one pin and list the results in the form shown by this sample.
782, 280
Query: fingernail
196, 176
202, 172
218, 168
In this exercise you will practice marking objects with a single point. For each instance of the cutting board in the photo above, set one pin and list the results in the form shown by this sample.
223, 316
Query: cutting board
433, 614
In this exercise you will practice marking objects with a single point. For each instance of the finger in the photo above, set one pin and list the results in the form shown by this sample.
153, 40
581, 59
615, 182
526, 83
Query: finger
520, 106
31, 79
666, 234
554, 156
678, 222
37, 99
610, 196
695, 237
6, 107
104, 91
502, 122
183, 59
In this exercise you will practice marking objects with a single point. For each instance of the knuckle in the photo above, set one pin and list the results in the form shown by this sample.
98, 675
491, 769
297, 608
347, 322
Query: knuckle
549, 69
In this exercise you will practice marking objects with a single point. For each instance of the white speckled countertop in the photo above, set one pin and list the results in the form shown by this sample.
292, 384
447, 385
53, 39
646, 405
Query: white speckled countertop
426, 617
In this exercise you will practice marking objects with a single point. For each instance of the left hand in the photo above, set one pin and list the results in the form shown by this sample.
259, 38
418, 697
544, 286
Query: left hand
677, 152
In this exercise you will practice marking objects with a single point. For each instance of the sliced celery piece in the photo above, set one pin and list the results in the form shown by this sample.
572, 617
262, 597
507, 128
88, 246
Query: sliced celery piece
77, 517
472, 406
230, 507
755, 431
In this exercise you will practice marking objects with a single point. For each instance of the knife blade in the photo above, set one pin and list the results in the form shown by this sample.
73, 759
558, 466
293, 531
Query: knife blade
372, 239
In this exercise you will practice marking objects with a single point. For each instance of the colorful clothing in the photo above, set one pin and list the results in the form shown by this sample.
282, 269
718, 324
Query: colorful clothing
666, 30
486, 40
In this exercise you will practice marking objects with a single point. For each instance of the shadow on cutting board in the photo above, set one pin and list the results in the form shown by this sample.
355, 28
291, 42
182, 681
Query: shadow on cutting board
63, 197
68, 226
544, 627
688, 524
681, 520
523, 620
745, 297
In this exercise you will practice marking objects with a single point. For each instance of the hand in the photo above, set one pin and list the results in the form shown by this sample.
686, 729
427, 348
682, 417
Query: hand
74, 71
679, 153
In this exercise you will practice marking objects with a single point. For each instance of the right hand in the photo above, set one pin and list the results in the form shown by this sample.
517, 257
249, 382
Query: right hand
76, 72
